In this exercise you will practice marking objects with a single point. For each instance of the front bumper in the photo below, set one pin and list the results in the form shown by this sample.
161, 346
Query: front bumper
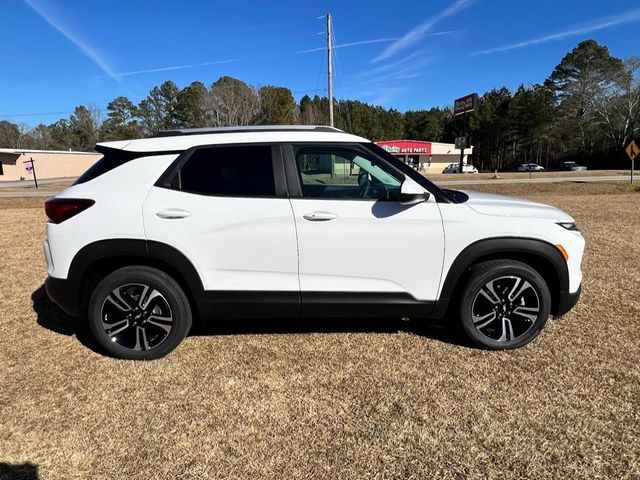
566, 301
64, 294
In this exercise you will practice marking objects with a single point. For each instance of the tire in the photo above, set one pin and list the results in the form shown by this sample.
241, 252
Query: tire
139, 313
504, 305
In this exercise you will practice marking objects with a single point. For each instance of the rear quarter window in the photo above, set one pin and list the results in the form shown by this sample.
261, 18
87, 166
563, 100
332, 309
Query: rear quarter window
108, 162
114, 158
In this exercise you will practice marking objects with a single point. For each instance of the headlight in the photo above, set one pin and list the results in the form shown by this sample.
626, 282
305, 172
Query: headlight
569, 226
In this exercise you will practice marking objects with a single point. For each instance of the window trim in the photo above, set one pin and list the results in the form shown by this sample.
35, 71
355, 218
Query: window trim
277, 167
370, 148
294, 182
355, 147
439, 194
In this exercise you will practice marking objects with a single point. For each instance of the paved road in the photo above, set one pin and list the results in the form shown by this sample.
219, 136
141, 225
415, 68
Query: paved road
603, 178
29, 193
29, 183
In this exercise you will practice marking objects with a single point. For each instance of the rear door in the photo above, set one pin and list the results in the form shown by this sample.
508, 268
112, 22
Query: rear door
225, 208
357, 243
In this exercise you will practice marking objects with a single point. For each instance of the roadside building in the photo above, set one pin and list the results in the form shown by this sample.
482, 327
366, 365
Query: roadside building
428, 157
15, 163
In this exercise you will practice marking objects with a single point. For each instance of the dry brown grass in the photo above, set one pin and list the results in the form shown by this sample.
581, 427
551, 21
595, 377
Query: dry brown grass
441, 177
331, 399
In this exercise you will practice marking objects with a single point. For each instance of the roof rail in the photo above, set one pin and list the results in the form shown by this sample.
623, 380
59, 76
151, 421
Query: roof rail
251, 128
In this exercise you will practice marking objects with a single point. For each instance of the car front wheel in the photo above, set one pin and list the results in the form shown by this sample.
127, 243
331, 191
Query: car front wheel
139, 313
505, 304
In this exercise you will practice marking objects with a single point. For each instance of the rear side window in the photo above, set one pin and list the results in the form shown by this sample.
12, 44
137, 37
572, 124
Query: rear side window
110, 161
245, 171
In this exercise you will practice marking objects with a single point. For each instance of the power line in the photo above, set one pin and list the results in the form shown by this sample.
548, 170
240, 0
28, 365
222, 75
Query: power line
322, 70
310, 90
33, 114
104, 110
331, 39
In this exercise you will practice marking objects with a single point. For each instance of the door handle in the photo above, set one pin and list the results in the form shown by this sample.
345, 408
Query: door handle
173, 214
319, 216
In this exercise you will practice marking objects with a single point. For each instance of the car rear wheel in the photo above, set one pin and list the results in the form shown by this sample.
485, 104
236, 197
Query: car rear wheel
139, 313
505, 304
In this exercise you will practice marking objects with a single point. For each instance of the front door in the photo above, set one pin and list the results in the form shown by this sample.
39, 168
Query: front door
357, 243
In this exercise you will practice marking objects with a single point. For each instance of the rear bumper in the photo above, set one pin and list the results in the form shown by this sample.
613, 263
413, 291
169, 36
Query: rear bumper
566, 301
64, 294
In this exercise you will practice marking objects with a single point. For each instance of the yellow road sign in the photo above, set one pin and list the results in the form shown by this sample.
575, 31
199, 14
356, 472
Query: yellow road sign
632, 150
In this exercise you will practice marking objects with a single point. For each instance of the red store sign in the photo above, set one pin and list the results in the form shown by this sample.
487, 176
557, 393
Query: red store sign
412, 147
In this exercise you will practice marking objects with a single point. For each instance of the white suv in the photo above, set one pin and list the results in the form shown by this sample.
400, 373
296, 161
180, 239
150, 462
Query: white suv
295, 222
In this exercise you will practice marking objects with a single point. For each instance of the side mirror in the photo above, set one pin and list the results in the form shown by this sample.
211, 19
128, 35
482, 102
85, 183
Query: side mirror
411, 192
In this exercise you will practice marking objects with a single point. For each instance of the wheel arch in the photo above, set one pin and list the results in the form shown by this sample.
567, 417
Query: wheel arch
540, 255
98, 259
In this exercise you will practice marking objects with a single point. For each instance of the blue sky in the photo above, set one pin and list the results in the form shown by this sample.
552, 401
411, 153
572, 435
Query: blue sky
411, 54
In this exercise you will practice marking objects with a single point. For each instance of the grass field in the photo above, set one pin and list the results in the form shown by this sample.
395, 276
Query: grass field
442, 177
331, 399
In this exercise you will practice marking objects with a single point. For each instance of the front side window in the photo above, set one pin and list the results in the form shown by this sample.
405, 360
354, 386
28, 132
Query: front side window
343, 173
245, 171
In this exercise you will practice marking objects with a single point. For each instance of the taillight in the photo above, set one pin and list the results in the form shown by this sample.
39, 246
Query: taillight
60, 209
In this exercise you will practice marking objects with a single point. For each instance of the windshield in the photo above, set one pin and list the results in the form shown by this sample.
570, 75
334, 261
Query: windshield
376, 172
440, 194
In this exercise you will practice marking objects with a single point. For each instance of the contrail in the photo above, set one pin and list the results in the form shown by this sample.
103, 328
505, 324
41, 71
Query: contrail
175, 67
375, 40
351, 44
412, 59
628, 17
87, 49
418, 32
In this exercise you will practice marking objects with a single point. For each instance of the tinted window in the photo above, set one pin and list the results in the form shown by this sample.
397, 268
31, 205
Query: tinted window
235, 171
110, 161
343, 172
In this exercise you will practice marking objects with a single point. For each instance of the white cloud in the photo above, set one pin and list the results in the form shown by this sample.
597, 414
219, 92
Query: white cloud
627, 17
45, 13
417, 33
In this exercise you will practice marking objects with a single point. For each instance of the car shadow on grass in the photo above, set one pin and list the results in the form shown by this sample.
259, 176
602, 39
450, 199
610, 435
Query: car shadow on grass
283, 326
51, 317
439, 332
18, 471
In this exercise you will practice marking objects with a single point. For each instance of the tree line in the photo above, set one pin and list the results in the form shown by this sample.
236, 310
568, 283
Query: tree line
588, 109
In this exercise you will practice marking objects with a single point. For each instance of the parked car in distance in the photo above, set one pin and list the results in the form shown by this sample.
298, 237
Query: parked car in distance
530, 167
573, 166
295, 222
454, 167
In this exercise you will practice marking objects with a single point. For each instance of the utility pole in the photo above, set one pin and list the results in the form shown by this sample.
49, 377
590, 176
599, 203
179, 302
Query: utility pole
329, 73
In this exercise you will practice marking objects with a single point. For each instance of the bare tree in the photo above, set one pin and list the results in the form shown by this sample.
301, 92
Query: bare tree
231, 102
40, 137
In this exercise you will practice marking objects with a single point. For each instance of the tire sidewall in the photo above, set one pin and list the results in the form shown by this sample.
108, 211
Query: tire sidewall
478, 279
162, 282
